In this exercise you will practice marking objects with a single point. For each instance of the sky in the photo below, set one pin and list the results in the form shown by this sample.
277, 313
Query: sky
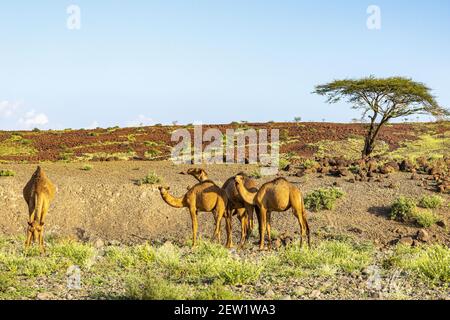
158, 61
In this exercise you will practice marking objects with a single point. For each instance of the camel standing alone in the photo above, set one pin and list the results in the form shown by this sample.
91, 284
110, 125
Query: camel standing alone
204, 196
278, 195
38, 194
236, 205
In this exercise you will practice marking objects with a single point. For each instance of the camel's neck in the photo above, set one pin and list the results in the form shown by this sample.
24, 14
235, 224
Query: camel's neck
173, 201
247, 196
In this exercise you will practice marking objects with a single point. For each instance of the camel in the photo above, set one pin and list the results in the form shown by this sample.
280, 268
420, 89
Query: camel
38, 194
236, 205
204, 196
278, 195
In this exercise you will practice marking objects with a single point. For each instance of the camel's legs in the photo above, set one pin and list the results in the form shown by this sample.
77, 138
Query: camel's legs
228, 221
29, 236
249, 227
242, 215
262, 227
269, 215
304, 230
214, 232
221, 210
45, 207
193, 213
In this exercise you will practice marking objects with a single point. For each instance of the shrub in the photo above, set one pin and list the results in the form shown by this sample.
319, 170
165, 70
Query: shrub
152, 287
308, 164
283, 163
256, 174
432, 262
323, 198
151, 178
329, 257
424, 217
431, 202
403, 208
7, 173
87, 167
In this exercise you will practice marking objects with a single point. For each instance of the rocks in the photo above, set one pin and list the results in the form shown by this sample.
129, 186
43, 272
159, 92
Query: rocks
315, 294
99, 243
270, 293
299, 291
442, 224
409, 241
406, 166
277, 243
423, 235
45, 296
372, 166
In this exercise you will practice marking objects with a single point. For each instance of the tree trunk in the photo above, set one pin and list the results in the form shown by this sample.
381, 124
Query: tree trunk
369, 143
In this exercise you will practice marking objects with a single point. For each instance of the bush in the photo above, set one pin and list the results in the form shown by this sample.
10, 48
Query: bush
432, 263
323, 198
151, 178
87, 167
431, 202
403, 208
330, 257
424, 217
7, 173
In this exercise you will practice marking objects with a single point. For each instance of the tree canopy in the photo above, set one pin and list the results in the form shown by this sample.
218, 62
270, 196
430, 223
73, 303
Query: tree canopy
383, 99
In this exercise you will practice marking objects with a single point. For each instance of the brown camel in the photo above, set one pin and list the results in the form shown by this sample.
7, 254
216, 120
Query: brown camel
204, 196
278, 195
236, 205
38, 194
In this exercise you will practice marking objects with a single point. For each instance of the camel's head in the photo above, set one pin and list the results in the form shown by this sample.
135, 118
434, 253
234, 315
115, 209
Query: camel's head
198, 174
163, 190
239, 180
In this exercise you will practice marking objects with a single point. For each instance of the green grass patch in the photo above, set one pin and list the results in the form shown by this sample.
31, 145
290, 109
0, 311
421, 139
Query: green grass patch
323, 198
7, 173
348, 149
403, 208
150, 178
326, 259
437, 145
424, 217
431, 202
431, 263
16, 145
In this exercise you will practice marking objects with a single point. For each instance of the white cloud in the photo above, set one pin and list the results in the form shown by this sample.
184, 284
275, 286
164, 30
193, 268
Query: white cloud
140, 121
8, 108
33, 119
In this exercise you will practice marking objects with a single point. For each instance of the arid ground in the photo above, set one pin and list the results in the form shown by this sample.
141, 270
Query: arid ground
103, 219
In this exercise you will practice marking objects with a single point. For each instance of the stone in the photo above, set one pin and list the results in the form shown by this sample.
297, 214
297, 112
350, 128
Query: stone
99, 243
409, 241
270, 293
45, 296
442, 223
299, 291
423, 235
315, 294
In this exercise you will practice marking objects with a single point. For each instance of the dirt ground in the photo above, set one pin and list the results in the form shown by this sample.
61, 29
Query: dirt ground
106, 203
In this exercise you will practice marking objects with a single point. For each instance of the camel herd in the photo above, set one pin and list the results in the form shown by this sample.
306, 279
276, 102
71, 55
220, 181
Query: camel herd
239, 196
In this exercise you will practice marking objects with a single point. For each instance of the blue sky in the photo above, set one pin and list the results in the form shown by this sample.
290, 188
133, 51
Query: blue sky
212, 61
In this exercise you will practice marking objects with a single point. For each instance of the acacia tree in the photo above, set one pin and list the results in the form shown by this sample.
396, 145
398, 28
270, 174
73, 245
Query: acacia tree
382, 99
